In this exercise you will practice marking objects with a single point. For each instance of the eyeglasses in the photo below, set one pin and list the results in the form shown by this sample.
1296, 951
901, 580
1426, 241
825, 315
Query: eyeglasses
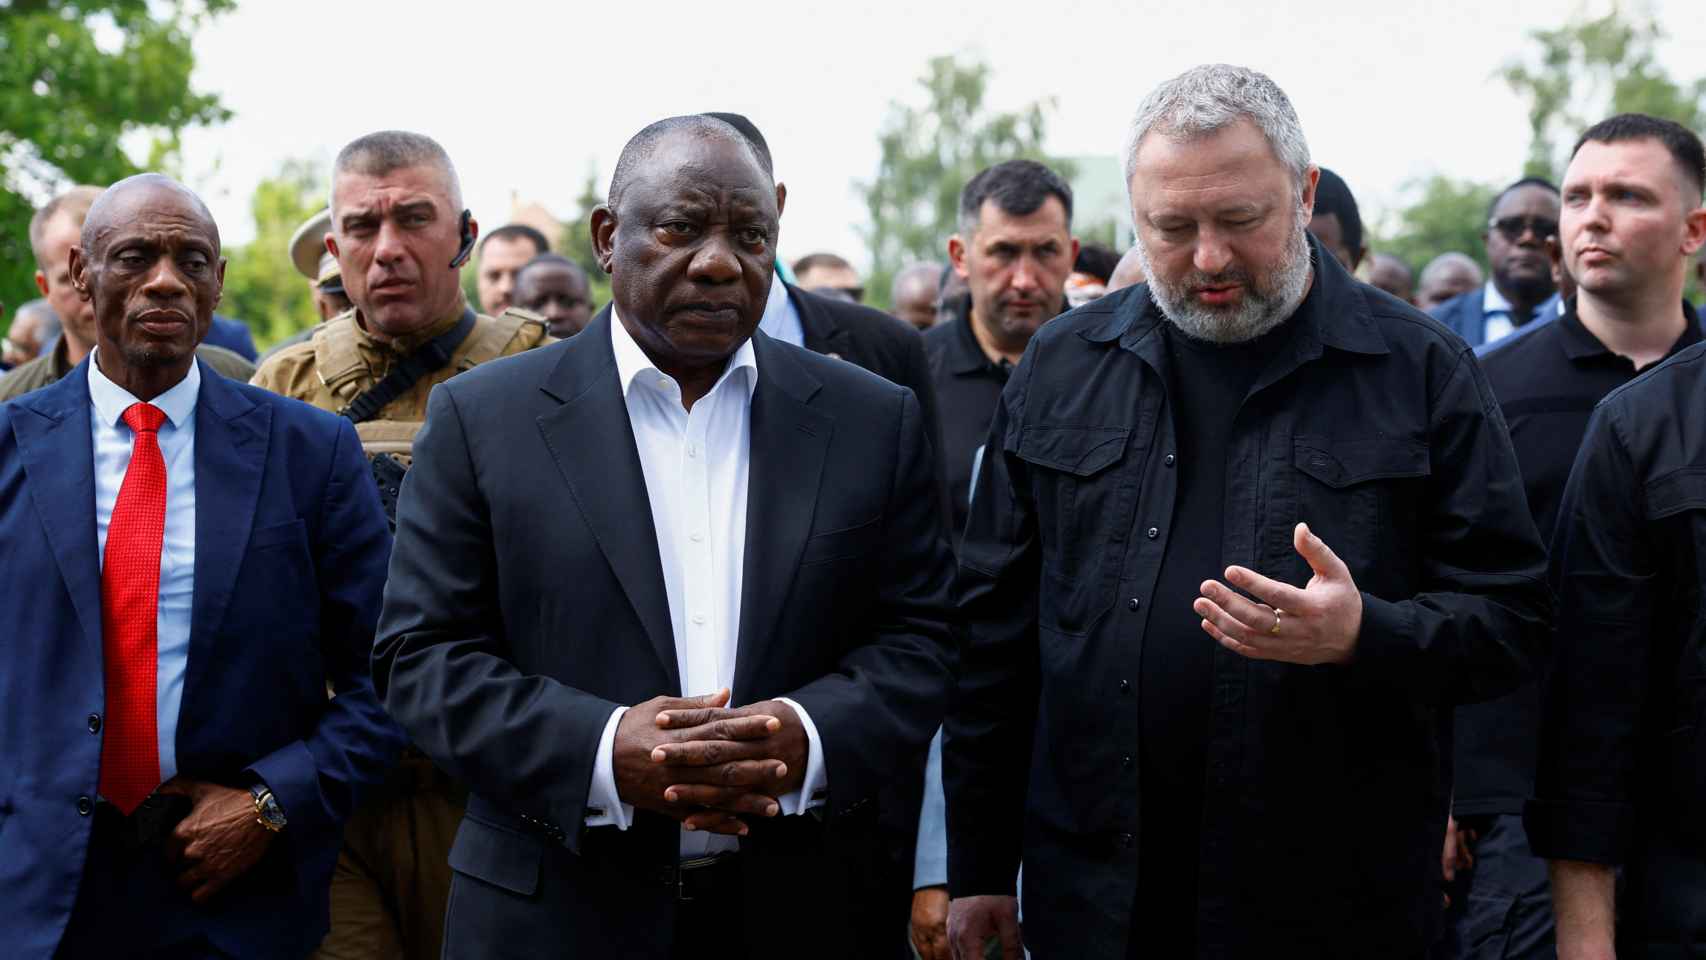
1512, 228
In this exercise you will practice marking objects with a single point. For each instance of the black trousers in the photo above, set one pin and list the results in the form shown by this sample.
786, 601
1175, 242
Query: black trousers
710, 913
126, 905
1502, 910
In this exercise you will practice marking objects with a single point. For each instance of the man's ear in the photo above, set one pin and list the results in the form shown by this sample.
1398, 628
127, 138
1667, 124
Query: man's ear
781, 198
957, 255
1310, 180
76, 268
219, 283
603, 227
41, 282
332, 245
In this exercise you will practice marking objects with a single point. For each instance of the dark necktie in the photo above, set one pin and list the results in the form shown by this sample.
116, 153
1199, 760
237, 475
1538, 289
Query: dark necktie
130, 600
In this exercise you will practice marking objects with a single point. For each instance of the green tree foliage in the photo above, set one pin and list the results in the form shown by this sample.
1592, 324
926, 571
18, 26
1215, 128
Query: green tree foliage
1448, 215
928, 154
262, 287
576, 241
1589, 69
78, 80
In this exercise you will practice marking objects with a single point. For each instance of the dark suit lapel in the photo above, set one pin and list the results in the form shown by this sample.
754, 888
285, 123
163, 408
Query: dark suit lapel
593, 443
58, 456
232, 437
818, 326
788, 445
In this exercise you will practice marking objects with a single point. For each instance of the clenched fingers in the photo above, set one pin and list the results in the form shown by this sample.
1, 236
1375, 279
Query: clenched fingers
731, 800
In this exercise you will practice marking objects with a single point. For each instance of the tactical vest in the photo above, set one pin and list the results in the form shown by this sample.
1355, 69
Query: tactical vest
343, 371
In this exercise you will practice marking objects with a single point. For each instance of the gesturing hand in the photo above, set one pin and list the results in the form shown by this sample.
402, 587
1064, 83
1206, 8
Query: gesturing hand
1318, 624
219, 841
645, 772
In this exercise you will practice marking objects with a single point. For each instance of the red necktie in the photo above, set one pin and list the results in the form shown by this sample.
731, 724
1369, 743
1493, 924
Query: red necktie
130, 600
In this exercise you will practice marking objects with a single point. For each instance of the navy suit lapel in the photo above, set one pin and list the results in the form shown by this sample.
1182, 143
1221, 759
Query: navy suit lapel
232, 436
57, 449
592, 442
789, 442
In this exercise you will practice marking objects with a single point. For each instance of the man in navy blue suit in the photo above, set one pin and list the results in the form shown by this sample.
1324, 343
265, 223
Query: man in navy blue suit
194, 562
1520, 221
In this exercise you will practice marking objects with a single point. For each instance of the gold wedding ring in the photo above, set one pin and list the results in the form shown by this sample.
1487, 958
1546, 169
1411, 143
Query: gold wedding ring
1273, 631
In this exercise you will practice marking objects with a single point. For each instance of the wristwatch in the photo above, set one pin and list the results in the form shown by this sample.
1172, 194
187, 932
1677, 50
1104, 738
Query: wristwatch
267, 811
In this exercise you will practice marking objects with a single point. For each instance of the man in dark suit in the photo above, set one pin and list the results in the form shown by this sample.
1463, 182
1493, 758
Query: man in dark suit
743, 516
193, 561
1520, 220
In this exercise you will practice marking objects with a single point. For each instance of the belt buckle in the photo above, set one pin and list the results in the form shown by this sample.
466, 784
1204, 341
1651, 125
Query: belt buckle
681, 895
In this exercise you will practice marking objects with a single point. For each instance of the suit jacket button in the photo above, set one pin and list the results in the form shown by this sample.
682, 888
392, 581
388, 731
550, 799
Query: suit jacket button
94, 723
85, 806
1126, 840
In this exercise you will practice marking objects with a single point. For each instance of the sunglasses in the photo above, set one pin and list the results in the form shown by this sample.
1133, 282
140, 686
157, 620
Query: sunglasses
1512, 228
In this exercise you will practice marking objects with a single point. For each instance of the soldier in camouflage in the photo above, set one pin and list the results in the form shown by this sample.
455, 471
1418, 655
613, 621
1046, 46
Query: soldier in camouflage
400, 235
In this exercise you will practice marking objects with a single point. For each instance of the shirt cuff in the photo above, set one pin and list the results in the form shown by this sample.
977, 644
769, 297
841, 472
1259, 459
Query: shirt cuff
814, 792
612, 812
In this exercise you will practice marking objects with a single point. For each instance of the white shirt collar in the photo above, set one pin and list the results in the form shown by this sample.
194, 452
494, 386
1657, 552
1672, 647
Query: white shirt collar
111, 400
1492, 301
632, 362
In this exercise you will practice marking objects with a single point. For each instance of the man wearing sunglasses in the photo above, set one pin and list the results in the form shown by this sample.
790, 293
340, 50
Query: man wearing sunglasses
1519, 222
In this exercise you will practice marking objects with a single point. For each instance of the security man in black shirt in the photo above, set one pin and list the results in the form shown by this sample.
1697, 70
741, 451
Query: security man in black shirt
1548, 377
1243, 537
1622, 771
1014, 249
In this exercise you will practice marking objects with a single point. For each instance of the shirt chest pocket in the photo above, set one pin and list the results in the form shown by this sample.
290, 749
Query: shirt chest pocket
1362, 495
1085, 484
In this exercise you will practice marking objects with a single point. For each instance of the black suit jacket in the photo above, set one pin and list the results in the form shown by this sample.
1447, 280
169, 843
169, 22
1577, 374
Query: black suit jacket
526, 602
867, 337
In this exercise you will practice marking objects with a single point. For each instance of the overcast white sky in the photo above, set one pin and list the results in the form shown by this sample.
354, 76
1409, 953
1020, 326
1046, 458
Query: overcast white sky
525, 96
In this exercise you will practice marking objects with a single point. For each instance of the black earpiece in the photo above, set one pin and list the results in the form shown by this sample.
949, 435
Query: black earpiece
467, 249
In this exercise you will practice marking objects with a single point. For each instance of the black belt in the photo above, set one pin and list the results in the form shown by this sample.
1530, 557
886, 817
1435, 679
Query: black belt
704, 878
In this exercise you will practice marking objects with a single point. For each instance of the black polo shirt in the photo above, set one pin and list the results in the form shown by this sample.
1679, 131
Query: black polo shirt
968, 386
1547, 378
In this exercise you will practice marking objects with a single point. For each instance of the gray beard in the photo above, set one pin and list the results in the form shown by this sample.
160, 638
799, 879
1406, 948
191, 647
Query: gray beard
1267, 301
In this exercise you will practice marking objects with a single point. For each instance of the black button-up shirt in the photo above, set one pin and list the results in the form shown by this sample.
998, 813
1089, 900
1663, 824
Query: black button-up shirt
968, 387
1325, 788
1548, 377
1622, 774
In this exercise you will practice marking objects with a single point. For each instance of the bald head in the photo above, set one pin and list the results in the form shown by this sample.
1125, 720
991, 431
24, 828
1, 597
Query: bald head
1446, 276
698, 127
118, 205
913, 294
1127, 272
1392, 275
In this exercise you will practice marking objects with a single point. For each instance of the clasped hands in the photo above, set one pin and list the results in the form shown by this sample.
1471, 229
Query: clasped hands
697, 761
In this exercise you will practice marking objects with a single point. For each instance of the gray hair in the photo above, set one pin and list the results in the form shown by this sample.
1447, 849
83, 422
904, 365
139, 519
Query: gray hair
379, 153
1207, 98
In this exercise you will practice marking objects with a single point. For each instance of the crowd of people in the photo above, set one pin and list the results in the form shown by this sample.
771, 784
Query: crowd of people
1203, 600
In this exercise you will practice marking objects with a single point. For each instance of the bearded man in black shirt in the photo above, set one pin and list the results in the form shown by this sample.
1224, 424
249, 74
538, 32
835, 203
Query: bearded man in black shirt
1243, 537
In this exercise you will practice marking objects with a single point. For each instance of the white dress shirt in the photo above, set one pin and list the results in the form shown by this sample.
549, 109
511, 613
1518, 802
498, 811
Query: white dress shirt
696, 466
1496, 313
781, 320
107, 403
